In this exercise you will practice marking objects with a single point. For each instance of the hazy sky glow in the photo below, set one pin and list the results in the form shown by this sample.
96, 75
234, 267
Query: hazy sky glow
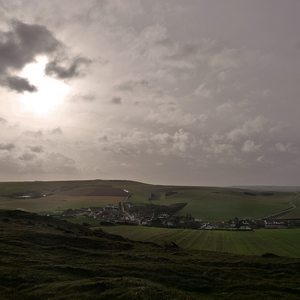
193, 92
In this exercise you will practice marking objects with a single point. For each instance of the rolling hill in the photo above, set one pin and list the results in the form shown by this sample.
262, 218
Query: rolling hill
46, 258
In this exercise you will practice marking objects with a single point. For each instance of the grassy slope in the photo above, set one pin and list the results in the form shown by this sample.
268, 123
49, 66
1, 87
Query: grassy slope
44, 258
279, 241
206, 203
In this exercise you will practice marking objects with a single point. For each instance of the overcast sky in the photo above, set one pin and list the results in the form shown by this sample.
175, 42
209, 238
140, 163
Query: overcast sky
190, 92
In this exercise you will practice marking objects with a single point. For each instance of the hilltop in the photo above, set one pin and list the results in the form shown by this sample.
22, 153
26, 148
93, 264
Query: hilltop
43, 257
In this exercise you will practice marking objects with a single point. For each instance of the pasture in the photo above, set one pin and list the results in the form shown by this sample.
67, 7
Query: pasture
282, 242
203, 203
59, 196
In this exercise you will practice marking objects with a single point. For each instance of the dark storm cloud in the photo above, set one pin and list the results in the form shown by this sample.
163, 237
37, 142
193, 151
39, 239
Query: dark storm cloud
67, 69
116, 100
7, 147
22, 44
20, 84
19, 47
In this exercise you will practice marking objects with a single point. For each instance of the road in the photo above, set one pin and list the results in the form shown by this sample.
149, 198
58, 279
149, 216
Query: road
130, 217
283, 212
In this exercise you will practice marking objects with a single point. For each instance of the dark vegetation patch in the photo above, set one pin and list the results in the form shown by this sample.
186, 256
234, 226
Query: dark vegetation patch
54, 259
95, 191
249, 194
267, 194
171, 193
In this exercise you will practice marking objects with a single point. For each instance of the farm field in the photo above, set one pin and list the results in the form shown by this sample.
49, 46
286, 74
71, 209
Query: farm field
60, 196
282, 242
56, 203
203, 203
219, 203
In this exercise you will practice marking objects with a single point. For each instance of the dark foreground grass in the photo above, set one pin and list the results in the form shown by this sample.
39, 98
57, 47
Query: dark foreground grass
46, 258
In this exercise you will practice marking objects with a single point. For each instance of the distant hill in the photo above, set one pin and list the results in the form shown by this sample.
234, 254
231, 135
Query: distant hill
269, 188
46, 258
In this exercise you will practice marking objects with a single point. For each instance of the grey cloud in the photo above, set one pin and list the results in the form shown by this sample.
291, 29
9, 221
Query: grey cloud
37, 149
2, 121
249, 146
89, 97
297, 46
137, 142
34, 134
288, 148
27, 156
131, 85
66, 69
57, 130
251, 126
103, 139
58, 163
116, 100
20, 84
20, 46
7, 147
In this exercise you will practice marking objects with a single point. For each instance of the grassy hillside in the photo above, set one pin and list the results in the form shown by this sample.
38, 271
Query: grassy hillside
279, 241
45, 258
203, 203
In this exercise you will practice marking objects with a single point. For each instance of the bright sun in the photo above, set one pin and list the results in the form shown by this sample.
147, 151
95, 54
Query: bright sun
51, 92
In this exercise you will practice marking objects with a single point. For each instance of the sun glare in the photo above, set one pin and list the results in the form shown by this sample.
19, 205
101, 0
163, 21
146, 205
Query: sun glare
51, 92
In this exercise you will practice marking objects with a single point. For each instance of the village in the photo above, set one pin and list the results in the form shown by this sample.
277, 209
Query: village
164, 216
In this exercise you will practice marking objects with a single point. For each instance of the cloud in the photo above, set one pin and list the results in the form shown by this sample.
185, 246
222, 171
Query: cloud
20, 84
36, 149
34, 134
57, 163
3, 121
132, 85
204, 92
116, 100
251, 126
286, 148
263, 159
138, 143
22, 44
103, 139
19, 46
7, 147
66, 68
89, 97
126, 165
57, 130
27, 156
249, 146
171, 115
215, 146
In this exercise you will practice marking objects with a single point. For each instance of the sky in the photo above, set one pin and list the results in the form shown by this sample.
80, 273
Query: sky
183, 92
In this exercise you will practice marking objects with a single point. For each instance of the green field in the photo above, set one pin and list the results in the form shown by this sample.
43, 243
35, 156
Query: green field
203, 203
283, 242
